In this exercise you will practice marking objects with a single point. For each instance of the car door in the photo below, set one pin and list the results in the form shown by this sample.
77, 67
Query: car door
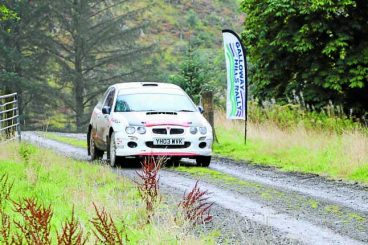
96, 120
103, 122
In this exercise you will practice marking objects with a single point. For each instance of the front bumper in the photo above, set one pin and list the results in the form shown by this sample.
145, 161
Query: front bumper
145, 146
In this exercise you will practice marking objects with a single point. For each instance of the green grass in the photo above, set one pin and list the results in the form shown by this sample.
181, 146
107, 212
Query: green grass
67, 140
216, 175
332, 155
320, 153
63, 183
292, 137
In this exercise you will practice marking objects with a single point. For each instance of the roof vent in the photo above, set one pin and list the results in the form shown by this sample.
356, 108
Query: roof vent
149, 84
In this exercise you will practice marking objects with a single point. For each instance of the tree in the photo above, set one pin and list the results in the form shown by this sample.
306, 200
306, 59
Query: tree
95, 44
201, 70
319, 47
23, 31
192, 74
6, 13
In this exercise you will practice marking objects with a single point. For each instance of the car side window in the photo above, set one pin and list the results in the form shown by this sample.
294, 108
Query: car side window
102, 99
110, 98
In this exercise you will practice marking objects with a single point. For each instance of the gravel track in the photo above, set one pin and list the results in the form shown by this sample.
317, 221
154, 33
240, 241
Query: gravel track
243, 217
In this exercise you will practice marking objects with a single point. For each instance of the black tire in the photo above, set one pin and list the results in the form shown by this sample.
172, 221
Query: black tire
96, 154
173, 162
113, 159
203, 161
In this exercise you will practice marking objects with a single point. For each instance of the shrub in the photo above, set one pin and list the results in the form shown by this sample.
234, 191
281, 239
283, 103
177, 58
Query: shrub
71, 233
105, 230
195, 206
35, 227
149, 186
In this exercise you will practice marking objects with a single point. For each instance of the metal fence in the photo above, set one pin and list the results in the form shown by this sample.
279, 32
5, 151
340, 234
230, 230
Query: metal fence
9, 118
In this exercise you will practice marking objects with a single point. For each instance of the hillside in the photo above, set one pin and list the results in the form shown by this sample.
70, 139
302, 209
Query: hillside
175, 23
144, 41
172, 26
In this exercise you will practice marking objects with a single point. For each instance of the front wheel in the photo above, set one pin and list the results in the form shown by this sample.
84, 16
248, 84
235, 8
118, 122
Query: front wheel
203, 161
114, 160
96, 154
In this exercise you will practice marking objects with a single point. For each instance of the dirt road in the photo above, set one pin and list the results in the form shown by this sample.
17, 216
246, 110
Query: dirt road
258, 205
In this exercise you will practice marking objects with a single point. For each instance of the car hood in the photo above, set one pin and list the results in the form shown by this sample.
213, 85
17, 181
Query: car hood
162, 118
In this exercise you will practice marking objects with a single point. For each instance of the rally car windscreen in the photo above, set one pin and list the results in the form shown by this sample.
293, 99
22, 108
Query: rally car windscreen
153, 102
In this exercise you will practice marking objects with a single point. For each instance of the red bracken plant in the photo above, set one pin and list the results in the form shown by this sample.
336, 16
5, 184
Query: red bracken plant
5, 223
148, 187
36, 225
195, 206
72, 233
5, 189
105, 229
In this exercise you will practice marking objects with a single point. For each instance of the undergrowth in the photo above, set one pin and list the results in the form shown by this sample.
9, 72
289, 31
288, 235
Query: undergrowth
296, 114
196, 205
295, 138
49, 199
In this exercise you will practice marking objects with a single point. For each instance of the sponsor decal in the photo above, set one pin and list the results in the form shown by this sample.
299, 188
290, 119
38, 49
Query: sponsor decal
236, 76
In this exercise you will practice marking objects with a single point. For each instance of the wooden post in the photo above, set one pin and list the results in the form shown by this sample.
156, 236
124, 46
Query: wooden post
207, 102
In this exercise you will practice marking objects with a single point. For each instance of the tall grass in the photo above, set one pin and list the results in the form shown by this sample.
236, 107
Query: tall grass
295, 139
84, 190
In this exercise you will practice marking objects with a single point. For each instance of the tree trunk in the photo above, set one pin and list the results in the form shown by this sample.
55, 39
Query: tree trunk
79, 89
78, 81
79, 108
207, 101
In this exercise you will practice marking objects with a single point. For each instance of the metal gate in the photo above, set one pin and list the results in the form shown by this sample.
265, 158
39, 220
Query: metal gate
9, 118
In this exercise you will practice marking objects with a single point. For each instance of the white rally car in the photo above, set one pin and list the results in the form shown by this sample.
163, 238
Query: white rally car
148, 119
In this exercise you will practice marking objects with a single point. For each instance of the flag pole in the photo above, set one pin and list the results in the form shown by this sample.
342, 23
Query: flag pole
245, 93
236, 61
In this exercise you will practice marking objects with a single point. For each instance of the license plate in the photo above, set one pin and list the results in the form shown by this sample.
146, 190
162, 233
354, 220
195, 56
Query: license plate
161, 141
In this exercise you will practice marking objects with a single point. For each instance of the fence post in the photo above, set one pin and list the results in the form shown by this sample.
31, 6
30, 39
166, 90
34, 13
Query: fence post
18, 119
207, 102
9, 117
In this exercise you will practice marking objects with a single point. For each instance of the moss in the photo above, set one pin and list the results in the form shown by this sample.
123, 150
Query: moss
313, 203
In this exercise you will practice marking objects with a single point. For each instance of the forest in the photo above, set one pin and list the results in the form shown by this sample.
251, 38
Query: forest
60, 56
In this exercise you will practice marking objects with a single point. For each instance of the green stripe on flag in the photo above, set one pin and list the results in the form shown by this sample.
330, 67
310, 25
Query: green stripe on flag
232, 79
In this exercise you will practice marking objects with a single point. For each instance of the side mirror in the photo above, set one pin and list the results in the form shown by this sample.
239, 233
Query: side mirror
200, 109
106, 110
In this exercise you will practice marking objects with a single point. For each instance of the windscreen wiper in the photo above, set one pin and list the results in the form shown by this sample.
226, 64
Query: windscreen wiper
185, 111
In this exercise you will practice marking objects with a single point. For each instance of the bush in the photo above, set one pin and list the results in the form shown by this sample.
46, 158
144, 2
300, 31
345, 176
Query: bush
330, 118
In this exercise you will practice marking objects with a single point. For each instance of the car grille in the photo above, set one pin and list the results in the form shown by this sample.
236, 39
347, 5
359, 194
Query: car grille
176, 131
164, 131
159, 131
151, 145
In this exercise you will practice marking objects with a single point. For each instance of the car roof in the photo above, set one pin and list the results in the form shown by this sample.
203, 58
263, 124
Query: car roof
147, 87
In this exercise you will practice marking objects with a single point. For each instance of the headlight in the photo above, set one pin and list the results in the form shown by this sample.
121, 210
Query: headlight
130, 130
193, 130
141, 130
203, 130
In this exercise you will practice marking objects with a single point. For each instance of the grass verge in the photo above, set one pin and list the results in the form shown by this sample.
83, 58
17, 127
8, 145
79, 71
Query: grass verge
331, 154
67, 140
63, 183
327, 153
